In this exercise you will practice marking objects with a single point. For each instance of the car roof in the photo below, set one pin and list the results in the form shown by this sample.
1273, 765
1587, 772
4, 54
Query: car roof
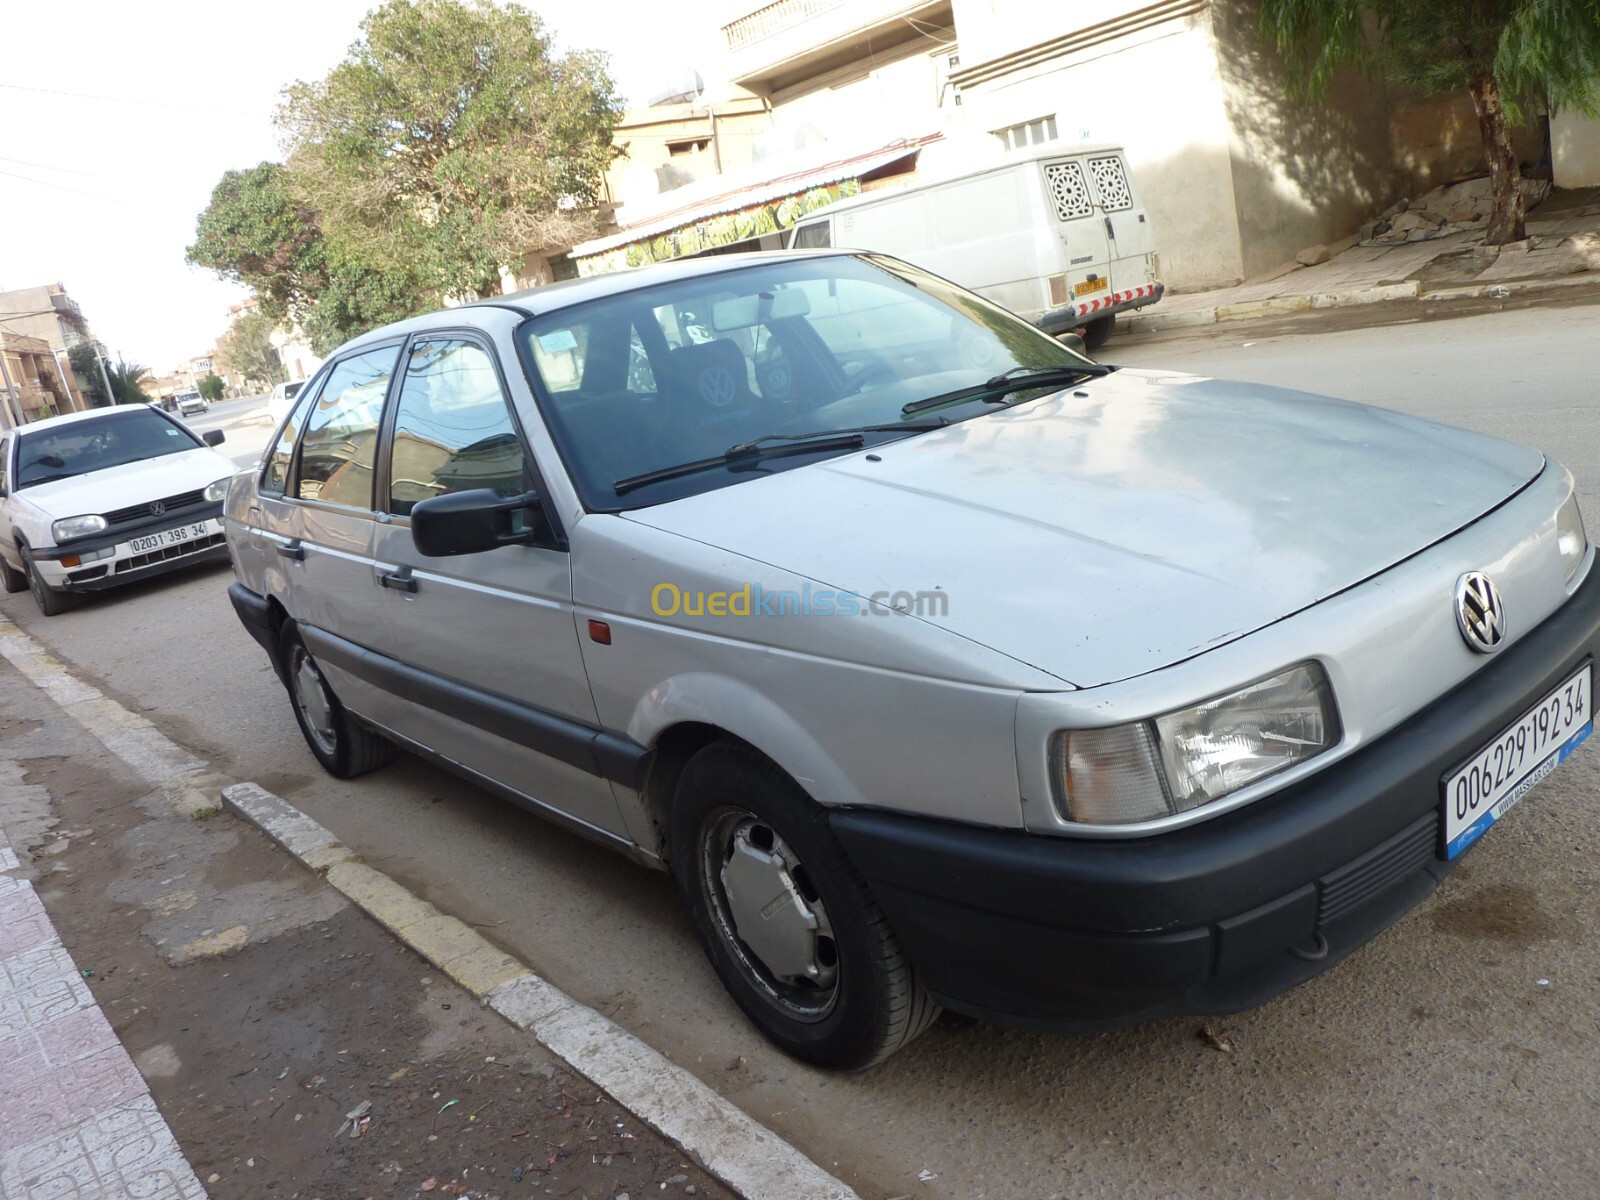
77, 417
570, 292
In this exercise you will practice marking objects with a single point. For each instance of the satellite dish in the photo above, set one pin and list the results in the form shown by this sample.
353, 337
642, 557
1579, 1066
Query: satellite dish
684, 87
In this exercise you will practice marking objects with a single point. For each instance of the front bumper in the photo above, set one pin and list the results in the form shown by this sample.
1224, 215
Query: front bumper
1065, 933
130, 561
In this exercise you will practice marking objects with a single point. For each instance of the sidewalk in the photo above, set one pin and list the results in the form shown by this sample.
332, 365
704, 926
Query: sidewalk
1562, 250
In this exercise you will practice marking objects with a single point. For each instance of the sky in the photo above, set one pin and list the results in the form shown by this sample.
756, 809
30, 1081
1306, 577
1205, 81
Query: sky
117, 120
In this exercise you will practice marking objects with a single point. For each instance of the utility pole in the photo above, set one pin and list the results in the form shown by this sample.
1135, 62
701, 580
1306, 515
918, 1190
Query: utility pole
13, 401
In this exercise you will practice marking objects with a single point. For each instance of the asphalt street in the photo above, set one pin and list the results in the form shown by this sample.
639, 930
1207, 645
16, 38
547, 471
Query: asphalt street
1454, 1056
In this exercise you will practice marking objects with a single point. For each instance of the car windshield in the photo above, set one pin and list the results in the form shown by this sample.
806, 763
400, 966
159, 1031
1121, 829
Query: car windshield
699, 383
111, 440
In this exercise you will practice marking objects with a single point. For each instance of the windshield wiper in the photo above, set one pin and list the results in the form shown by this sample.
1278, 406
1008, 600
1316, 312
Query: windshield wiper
774, 445
1015, 380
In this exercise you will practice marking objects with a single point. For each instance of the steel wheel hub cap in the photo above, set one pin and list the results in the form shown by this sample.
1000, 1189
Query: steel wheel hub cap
775, 911
313, 699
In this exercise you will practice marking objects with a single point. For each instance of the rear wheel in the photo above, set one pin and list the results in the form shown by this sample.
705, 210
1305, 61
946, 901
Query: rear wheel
51, 601
1098, 331
343, 746
788, 924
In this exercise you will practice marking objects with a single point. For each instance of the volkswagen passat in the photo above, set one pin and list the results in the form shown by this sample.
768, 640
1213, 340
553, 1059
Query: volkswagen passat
940, 665
96, 499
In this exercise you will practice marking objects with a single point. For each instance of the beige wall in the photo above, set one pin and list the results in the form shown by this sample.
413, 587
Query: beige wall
1436, 140
1575, 149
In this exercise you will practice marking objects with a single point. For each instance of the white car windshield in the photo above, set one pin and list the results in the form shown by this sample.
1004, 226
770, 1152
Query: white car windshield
660, 392
95, 445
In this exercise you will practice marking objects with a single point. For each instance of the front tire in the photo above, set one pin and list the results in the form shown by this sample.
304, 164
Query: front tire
343, 746
787, 922
51, 602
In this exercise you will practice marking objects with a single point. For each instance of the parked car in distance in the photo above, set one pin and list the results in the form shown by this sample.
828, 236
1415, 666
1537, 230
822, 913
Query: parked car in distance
95, 499
1056, 233
190, 403
282, 396
939, 664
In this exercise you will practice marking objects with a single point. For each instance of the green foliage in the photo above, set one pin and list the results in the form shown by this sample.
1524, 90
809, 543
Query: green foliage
450, 141
247, 350
211, 388
87, 369
127, 382
1530, 48
257, 233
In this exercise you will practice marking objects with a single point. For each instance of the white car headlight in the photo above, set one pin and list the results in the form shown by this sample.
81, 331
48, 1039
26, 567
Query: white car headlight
1571, 540
76, 527
1180, 761
219, 490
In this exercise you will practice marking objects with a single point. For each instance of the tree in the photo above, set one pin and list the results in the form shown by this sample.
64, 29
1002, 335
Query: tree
247, 350
127, 382
1505, 53
256, 232
210, 388
86, 367
451, 141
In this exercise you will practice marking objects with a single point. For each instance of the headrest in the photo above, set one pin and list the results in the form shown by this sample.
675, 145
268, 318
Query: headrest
710, 373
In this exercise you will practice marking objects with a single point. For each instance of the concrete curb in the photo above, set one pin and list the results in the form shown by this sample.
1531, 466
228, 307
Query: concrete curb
719, 1135
1380, 293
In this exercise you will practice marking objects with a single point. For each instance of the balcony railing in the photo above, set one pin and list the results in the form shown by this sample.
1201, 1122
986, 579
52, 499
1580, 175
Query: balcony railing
773, 18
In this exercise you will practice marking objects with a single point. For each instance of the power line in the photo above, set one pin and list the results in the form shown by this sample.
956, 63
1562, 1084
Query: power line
22, 162
22, 87
60, 187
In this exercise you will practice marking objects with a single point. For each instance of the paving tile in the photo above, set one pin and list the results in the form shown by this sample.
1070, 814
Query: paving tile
124, 1154
23, 923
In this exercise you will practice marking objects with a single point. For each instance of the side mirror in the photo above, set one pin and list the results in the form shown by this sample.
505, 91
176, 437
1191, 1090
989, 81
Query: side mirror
1073, 339
474, 521
212, 437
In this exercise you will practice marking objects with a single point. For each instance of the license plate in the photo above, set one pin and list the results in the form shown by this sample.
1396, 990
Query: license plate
167, 537
1505, 770
1091, 285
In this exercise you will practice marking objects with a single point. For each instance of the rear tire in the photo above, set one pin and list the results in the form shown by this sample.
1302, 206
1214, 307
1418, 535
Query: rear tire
343, 746
789, 925
51, 602
1097, 332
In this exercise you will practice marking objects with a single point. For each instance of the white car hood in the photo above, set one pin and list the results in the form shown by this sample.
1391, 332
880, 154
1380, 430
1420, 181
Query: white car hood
1122, 526
132, 483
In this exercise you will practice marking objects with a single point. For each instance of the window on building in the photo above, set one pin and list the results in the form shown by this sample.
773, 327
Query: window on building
1028, 133
692, 146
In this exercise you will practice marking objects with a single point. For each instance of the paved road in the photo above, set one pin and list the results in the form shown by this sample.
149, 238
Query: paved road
1452, 1057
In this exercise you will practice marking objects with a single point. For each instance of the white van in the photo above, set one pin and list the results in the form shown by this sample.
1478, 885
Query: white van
1054, 233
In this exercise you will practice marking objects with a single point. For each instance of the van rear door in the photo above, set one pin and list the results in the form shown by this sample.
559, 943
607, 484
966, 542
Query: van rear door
1129, 239
1074, 210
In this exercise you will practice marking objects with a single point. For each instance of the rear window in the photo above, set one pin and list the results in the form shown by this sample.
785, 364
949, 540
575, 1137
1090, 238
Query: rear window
98, 444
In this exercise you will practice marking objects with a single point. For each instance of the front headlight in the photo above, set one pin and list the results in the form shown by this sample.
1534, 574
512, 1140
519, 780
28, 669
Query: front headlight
218, 491
1571, 540
1180, 761
76, 527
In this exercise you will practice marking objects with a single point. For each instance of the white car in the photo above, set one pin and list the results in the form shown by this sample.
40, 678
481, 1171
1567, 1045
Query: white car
940, 665
282, 397
190, 403
95, 499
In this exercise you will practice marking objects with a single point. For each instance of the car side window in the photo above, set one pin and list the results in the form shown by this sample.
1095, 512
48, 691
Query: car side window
339, 446
275, 475
813, 237
453, 430
5, 464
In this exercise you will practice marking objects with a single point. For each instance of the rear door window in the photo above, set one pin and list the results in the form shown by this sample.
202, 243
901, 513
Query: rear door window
275, 474
340, 442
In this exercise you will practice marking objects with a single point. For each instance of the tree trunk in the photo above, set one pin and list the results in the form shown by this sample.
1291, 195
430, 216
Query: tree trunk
1507, 221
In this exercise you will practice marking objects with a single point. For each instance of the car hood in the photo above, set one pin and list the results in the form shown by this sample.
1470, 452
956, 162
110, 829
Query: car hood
131, 483
1123, 526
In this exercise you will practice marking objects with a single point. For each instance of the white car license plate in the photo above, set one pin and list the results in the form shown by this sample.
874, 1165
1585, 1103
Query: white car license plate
167, 537
1505, 770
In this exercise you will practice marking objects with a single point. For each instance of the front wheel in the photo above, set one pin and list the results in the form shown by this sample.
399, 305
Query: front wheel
788, 924
344, 747
51, 601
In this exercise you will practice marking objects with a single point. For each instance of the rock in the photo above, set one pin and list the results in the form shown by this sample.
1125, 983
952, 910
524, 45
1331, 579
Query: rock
1311, 256
1381, 228
1408, 222
1393, 211
1521, 247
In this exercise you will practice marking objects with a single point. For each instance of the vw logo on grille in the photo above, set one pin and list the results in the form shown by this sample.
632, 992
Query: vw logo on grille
1479, 613
157, 508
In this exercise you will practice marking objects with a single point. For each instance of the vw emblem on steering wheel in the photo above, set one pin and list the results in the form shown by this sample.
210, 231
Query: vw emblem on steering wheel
716, 387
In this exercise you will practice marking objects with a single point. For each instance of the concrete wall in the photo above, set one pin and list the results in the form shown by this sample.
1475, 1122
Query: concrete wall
1303, 173
1575, 149
1436, 140
1158, 93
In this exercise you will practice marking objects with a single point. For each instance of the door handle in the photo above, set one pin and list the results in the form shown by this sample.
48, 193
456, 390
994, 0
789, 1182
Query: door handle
1110, 230
293, 550
401, 581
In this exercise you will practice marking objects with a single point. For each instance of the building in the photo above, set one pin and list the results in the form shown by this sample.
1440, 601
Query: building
33, 382
1237, 179
49, 314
